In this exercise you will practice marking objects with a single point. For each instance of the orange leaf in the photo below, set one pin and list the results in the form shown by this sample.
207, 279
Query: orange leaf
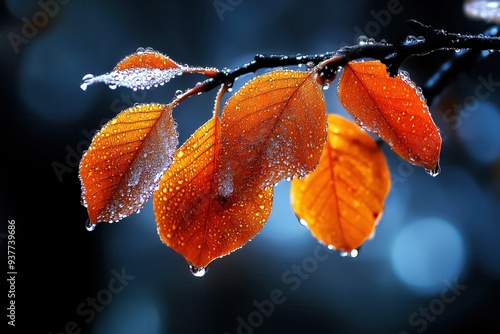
193, 217
342, 200
392, 108
141, 70
125, 161
273, 128
146, 59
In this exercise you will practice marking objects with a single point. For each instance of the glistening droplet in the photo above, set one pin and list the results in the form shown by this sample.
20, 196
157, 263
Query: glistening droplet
362, 40
86, 81
198, 272
434, 172
354, 253
89, 226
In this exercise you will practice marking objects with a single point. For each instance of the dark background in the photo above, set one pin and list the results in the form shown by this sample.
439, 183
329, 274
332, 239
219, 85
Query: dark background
435, 232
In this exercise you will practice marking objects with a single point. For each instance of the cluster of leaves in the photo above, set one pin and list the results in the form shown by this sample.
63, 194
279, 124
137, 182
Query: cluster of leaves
214, 193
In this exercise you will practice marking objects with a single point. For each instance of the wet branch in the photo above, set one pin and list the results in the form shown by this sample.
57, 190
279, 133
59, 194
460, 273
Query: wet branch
429, 40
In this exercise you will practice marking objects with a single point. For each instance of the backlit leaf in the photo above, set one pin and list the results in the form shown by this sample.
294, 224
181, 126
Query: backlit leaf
342, 200
125, 161
193, 217
273, 128
392, 108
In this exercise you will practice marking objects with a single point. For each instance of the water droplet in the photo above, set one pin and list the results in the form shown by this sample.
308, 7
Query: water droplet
178, 93
410, 39
86, 79
434, 172
140, 49
198, 272
325, 86
362, 40
303, 222
112, 86
149, 49
420, 39
354, 253
310, 65
89, 226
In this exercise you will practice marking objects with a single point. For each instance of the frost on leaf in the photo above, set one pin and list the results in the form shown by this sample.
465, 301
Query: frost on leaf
342, 200
194, 218
273, 128
125, 161
392, 108
141, 70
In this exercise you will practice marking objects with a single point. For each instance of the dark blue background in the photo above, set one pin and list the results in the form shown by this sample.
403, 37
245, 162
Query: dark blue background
435, 231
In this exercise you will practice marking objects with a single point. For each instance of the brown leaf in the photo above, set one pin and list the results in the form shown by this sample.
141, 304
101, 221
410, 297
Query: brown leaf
125, 161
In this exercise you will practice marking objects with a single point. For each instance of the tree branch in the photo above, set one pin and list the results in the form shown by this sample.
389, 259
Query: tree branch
429, 40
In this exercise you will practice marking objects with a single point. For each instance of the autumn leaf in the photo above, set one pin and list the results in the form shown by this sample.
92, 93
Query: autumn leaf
273, 128
193, 217
144, 69
342, 200
393, 108
141, 70
125, 161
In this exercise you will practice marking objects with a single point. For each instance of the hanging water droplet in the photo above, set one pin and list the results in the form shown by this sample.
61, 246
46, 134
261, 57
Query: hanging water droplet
198, 272
112, 86
325, 86
434, 172
420, 39
89, 226
362, 40
86, 80
354, 253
